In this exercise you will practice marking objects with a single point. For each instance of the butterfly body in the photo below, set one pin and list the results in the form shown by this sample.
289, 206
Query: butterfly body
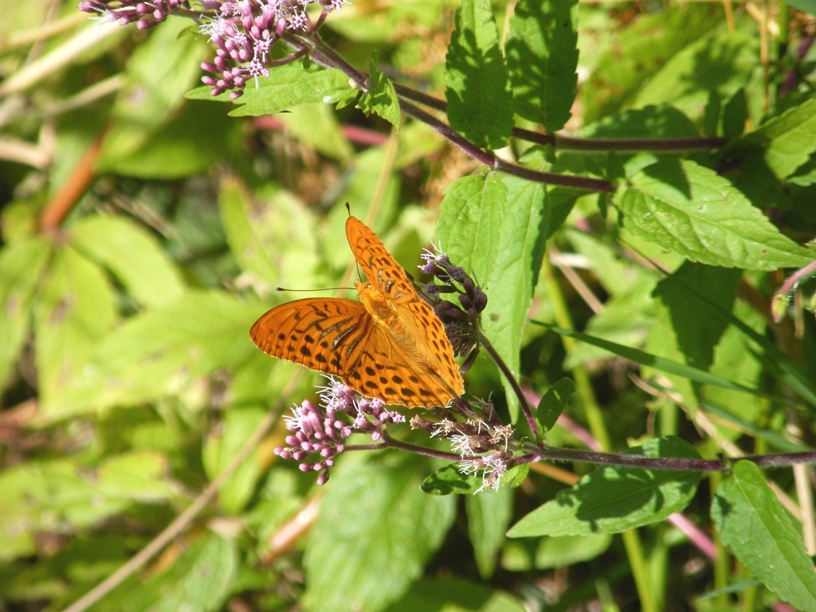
389, 345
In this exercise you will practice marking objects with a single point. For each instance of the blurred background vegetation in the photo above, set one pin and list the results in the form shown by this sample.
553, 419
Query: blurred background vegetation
143, 233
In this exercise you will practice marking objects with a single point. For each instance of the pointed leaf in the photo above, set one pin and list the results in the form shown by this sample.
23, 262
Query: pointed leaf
691, 210
753, 524
381, 98
613, 499
480, 103
542, 56
553, 402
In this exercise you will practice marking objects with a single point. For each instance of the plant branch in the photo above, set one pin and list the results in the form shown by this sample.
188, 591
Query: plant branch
525, 407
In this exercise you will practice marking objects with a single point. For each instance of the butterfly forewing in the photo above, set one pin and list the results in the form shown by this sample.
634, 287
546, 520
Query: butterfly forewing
325, 334
379, 267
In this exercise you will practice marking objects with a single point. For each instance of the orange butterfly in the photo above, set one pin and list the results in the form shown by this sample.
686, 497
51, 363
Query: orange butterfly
389, 345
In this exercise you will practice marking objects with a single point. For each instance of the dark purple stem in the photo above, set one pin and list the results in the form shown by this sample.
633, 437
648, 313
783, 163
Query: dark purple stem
525, 407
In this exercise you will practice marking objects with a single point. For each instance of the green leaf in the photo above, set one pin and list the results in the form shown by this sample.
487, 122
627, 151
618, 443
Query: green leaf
317, 126
721, 62
542, 56
356, 563
286, 87
550, 553
381, 97
159, 72
691, 210
470, 222
448, 479
553, 402
162, 351
58, 497
220, 449
199, 581
493, 226
455, 595
613, 499
696, 328
132, 254
73, 313
21, 267
735, 114
638, 52
753, 524
480, 102
489, 514
787, 141
190, 143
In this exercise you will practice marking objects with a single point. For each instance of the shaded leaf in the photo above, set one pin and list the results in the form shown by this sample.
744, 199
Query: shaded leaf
542, 57
753, 524
613, 499
476, 83
693, 211
489, 515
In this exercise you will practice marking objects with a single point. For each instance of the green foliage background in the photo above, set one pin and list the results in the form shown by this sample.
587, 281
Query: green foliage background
129, 382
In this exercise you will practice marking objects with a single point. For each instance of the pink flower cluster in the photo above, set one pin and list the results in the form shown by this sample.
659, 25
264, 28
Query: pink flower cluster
243, 31
321, 430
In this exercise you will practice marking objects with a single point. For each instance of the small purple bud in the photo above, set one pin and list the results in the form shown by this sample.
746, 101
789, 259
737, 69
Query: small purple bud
323, 478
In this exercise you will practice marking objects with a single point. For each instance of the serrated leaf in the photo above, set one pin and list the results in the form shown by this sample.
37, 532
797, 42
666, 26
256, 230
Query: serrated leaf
488, 515
691, 210
162, 351
493, 227
381, 98
21, 267
553, 402
367, 564
542, 57
132, 254
787, 141
613, 499
477, 88
74, 311
753, 524
288, 87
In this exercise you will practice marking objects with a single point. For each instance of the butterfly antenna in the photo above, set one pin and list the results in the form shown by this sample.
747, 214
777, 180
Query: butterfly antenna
323, 289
